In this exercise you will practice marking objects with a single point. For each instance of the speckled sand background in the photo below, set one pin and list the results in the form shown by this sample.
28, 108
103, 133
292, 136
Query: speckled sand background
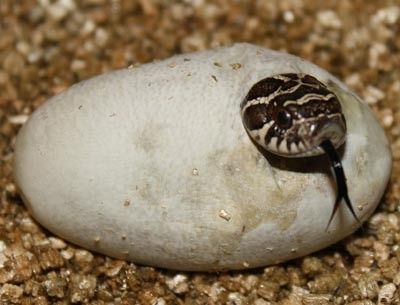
46, 45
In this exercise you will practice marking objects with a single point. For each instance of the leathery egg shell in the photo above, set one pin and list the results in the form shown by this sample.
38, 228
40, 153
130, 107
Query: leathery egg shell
152, 164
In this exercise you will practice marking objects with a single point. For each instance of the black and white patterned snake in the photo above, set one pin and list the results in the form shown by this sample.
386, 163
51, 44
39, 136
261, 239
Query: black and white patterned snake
295, 115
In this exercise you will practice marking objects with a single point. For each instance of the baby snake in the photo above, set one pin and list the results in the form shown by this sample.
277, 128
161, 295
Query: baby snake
295, 115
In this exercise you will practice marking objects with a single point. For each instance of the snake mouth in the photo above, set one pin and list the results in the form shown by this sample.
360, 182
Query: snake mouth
305, 136
332, 129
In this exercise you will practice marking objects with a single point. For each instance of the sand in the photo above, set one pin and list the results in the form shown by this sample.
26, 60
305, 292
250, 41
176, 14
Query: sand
46, 46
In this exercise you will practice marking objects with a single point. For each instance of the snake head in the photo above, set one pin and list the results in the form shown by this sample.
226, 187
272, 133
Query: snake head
292, 114
295, 115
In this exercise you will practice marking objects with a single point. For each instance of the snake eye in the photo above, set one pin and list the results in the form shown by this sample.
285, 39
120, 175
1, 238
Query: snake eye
283, 119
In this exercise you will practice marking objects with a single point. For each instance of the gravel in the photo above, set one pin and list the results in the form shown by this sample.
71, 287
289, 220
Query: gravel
46, 46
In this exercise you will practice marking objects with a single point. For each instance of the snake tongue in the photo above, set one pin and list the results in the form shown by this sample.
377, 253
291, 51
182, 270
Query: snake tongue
340, 178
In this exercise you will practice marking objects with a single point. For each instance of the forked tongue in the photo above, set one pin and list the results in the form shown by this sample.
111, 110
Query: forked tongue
341, 184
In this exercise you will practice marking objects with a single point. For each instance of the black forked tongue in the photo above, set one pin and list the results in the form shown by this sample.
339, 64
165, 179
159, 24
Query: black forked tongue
341, 184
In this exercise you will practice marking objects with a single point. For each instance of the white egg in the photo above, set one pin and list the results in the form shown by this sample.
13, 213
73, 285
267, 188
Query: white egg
152, 164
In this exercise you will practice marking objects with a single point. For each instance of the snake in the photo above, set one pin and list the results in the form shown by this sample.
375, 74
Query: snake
295, 115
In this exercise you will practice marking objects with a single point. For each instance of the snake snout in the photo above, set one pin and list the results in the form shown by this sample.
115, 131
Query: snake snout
310, 133
331, 128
